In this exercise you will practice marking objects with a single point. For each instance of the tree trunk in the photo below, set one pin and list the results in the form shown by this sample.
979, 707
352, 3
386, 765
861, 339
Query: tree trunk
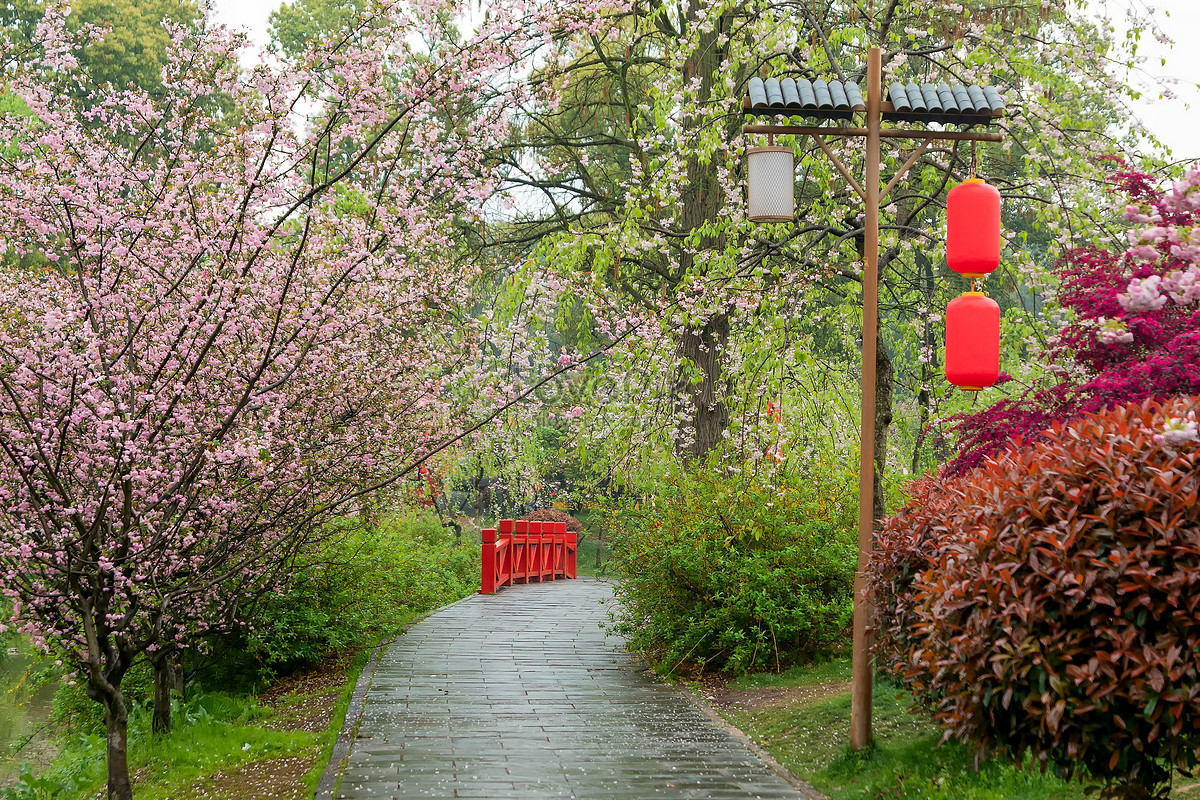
702, 351
106, 669
116, 723
164, 682
106, 690
707, 414
928, 368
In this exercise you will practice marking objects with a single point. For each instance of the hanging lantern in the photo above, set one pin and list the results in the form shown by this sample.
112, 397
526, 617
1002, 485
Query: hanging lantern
771, 184
973, 228
972, 341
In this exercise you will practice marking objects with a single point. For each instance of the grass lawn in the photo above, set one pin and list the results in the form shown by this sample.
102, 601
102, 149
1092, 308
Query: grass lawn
222, 746
802, 718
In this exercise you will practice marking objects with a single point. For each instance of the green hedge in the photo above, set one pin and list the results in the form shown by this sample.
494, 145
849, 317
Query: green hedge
737, 574
360, 584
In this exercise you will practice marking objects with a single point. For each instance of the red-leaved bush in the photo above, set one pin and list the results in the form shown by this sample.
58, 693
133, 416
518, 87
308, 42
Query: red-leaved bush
1047, 603
554, 515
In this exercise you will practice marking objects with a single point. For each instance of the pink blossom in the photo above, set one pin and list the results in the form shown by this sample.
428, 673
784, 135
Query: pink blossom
1113, 331
1143, 295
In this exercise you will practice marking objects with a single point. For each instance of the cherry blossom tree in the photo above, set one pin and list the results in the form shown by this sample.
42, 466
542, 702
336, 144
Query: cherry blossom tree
237, 320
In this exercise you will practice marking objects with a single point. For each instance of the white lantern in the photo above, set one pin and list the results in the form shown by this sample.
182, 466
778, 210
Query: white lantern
771, 184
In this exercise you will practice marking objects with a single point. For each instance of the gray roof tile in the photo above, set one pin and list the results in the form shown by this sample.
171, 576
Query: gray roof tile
801, 97
951, 104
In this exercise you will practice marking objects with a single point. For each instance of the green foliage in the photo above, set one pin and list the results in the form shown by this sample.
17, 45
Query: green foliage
7, 636
294, 24
737, 572
1044, 605
37, 787
73, 710
357, 585
132, 51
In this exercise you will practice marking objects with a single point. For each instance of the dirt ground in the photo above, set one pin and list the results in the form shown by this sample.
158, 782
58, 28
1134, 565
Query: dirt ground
716, 692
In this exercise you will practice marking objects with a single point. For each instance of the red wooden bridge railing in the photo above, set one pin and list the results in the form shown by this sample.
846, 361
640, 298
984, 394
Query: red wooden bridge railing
526, 552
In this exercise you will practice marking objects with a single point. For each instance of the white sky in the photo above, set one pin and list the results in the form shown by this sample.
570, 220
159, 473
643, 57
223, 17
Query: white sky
248, 14
1168, 118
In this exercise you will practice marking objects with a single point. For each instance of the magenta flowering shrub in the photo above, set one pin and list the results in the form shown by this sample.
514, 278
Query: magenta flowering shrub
1136, 334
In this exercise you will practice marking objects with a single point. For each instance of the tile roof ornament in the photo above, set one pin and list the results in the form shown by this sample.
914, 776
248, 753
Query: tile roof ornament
948, 104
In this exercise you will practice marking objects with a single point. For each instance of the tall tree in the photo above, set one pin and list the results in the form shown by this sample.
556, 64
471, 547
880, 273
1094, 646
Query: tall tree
638, 168
132, 49
296, 25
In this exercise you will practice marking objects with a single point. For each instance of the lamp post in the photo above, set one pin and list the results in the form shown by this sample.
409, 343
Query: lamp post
907, 102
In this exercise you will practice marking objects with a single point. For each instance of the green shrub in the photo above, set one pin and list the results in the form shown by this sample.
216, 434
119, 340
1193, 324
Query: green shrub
357, 585
1047, 605
734, 573
8, 636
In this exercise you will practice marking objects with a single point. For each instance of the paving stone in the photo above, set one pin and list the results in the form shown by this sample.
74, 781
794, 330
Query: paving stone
523, 695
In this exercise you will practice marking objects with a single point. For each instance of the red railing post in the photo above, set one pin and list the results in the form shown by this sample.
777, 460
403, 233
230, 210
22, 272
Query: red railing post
535, 552
547, 562
520, 551
560, 549
487, 583
504, 554
572, 545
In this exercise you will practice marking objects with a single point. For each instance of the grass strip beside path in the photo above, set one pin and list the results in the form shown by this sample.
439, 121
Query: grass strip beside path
802, 718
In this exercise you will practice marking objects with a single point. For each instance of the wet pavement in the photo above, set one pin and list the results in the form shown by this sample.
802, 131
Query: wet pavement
521, 695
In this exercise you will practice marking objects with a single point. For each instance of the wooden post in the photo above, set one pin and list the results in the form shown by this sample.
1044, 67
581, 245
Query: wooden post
860, 692
520, 551
570, 566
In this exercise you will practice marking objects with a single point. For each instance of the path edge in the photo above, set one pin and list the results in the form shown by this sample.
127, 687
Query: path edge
715, 717
340, 755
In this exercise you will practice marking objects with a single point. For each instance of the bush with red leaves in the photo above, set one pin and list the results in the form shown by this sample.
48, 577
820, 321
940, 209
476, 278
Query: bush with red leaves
554, 515
1047, 603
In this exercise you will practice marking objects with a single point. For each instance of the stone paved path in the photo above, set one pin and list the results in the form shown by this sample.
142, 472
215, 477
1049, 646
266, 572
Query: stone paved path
521, 695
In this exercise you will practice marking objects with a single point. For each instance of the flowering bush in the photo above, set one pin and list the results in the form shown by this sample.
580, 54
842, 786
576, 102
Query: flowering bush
239, 319
1136, 331
554, 515
1048, 603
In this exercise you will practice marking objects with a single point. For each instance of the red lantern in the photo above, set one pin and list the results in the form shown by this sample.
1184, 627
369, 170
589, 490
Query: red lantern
972, 341
973, 228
